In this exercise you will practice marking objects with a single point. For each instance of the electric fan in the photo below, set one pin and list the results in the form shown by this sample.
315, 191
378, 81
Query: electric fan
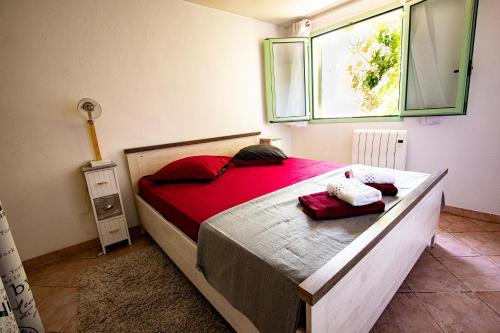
92, 110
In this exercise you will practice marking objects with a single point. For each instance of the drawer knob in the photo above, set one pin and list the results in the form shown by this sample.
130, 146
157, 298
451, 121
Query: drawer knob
114, 230
102, 183
108, 207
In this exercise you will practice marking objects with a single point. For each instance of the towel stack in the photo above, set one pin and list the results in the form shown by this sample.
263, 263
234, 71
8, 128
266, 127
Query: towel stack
372, 175
358, 193
379, 178
353, 191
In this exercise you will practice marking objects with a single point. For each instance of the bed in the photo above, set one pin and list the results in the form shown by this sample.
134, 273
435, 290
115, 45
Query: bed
338, 296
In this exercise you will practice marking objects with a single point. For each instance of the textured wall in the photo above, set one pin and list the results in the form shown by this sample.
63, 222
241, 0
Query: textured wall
467, 145
163, 71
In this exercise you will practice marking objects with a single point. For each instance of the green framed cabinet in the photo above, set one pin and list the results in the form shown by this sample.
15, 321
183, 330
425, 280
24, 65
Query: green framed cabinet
435, 65
287, 76
438, 39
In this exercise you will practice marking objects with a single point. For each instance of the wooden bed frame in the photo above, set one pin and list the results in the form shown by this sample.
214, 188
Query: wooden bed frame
349, 292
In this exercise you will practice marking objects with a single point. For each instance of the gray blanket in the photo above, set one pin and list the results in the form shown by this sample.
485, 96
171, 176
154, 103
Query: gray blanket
257, 253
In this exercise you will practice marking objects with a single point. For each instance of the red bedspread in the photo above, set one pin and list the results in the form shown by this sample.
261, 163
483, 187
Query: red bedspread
187, 205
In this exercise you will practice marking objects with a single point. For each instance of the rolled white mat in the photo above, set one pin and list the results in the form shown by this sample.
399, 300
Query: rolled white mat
7, 320
15, 282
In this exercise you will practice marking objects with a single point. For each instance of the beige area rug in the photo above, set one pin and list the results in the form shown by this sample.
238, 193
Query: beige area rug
143, 292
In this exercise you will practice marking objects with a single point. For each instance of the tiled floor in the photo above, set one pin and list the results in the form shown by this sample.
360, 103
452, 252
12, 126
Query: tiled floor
454, 287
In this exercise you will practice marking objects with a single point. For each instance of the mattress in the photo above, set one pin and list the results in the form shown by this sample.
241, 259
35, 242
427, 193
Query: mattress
187, 205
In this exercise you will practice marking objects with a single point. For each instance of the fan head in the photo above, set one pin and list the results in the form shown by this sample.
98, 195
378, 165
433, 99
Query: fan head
89, 108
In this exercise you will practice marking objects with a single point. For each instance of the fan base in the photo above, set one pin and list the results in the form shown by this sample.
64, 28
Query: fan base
100, 163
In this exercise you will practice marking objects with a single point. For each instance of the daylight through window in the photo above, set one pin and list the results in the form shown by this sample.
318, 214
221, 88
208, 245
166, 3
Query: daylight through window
356, 69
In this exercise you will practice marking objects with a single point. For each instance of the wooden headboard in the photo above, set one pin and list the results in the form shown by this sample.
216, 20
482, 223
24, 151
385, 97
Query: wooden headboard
147, 160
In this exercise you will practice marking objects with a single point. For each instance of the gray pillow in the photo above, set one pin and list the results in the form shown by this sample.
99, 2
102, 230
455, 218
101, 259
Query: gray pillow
259, 155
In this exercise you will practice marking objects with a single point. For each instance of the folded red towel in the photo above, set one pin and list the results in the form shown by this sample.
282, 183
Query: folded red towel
386, 189
321, 206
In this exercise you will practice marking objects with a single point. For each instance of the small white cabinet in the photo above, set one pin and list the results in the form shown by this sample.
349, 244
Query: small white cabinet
107, 205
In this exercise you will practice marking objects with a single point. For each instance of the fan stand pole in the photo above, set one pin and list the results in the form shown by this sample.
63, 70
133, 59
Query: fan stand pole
95, 144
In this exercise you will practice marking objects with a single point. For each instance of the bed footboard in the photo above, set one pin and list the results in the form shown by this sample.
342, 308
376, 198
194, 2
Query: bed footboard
351, 291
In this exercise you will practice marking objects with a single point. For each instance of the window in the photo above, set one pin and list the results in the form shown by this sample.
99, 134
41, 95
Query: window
287, 61
356, 68
410, 60
438, 59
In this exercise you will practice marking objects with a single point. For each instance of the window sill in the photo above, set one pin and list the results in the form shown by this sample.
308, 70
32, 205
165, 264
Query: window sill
356, 120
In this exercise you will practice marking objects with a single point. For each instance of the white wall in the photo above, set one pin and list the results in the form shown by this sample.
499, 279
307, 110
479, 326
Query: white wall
467, 145
163, 71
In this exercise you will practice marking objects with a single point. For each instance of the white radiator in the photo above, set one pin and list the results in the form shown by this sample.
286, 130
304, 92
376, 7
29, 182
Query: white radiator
380, 148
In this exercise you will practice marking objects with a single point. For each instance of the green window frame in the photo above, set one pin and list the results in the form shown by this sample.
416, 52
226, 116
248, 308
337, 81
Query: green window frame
335, 27
271, 80
464, 70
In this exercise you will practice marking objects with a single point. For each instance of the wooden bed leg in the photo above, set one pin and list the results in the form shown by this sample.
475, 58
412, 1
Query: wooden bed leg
433, 241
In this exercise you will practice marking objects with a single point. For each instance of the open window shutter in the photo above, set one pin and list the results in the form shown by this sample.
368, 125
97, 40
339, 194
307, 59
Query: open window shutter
287, 76
437, 56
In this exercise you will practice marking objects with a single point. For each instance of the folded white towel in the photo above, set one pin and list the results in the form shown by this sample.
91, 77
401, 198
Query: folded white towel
369, 175
353, 191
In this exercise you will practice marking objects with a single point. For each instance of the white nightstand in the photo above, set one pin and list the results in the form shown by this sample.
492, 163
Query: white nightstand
104, 192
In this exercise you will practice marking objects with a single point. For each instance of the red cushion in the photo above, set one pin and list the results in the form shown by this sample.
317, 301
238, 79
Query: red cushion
202, 167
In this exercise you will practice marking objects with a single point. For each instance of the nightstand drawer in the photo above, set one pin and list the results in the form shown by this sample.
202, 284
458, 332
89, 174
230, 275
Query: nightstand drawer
113, 231
108, 206
101, 183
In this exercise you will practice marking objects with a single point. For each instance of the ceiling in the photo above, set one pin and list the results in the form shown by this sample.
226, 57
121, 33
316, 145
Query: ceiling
272, 11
